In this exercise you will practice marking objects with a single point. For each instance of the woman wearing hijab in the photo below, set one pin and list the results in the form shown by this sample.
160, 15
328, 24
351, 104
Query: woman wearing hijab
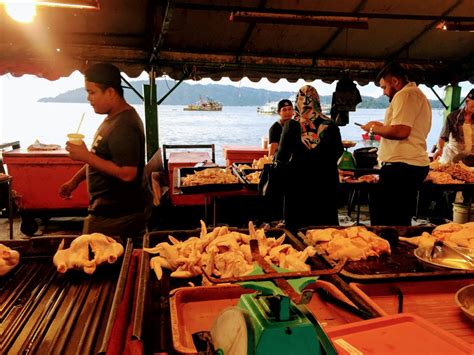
309, 149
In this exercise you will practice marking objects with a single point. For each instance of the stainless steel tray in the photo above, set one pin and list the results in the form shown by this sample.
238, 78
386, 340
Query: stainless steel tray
198, 189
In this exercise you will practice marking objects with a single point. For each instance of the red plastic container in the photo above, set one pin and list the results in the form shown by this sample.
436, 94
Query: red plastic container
398, 334
194, 309
431, 300
239, 154
37, 176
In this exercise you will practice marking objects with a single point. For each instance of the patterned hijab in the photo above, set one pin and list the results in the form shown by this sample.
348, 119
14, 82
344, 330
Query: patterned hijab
307, 111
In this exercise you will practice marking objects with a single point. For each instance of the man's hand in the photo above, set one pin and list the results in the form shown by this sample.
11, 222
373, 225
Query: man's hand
437, 154
78, 152
66, 189
371, 124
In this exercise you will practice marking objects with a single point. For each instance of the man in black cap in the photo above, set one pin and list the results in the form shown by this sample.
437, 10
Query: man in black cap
114, 167
285, 110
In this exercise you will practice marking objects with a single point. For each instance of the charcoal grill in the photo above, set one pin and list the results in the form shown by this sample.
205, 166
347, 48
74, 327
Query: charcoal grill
45, 312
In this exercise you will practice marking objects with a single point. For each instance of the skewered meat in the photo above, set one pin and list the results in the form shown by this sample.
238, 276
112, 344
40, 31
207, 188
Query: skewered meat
224, 253
8, 259
105, 249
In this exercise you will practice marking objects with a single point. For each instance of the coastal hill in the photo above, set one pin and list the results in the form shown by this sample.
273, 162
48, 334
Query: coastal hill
228, 95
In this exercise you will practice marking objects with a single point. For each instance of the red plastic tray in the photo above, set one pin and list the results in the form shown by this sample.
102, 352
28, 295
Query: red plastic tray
431, 300
194, 309
398, 334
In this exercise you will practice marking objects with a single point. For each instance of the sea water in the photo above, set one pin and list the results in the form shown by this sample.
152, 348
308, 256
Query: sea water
234, 125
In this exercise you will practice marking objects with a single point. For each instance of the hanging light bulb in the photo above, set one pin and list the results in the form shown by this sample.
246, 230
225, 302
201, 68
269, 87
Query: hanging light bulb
21, 11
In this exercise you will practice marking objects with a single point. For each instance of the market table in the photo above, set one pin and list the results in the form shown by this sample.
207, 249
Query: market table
427, 188
208, 198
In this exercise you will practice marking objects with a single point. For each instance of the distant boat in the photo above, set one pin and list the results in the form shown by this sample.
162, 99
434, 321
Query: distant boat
270, 108
204, 105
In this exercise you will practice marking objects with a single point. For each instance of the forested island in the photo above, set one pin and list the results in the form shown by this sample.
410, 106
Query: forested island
228, 95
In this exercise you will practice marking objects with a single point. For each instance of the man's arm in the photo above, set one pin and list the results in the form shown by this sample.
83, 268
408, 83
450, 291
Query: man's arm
66, 189
440, 148
395, 132
272, 148
80, 152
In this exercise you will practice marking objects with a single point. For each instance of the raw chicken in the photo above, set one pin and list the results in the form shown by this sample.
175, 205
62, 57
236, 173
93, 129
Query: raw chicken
105, 249
354, 243
8, 259
455, 234
224, 254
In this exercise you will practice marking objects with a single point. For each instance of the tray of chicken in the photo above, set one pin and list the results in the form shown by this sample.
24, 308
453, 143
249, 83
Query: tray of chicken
178, 259
58, 294
202, 180
378, 252
247, 174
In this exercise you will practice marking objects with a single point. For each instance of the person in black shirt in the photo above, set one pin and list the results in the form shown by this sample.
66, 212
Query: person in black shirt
285, 110
120, 198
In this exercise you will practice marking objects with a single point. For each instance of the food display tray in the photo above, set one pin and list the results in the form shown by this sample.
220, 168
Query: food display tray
199, 189
431, 300
242, 175
401, 264
397, 334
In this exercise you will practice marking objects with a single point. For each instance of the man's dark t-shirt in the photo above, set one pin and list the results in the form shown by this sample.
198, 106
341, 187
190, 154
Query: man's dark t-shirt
120, 139
275, 133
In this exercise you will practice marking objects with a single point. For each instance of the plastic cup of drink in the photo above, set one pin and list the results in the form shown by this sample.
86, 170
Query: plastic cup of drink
75, 138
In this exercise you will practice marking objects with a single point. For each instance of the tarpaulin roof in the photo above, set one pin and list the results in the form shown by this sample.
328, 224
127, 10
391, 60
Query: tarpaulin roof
273, 39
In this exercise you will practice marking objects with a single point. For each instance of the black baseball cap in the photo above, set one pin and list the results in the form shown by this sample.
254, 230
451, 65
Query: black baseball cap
284, 103
103, 73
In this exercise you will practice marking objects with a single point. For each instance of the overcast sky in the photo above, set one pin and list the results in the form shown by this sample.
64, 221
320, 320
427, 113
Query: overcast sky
31, 88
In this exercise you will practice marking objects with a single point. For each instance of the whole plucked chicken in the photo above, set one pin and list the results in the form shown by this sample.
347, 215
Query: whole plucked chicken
9, 258
105, 250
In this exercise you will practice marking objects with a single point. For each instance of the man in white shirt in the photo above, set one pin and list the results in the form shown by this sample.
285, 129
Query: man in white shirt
402, 150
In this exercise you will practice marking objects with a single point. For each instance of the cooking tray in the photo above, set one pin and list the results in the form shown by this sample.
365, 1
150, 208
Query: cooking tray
401, 264
42, 311
198, 189
431, 300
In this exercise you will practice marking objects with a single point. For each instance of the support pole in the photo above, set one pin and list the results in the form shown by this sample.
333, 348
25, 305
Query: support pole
452, 98
151, 118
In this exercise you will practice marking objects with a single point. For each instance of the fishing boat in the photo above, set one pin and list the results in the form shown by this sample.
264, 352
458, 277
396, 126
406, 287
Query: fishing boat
270, 108
204, 105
